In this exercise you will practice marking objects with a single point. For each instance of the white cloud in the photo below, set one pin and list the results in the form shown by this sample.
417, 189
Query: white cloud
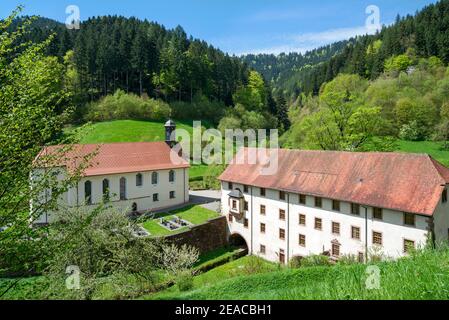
308, 41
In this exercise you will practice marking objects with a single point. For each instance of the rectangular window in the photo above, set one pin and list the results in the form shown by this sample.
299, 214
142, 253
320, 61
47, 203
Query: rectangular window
230, 218
282, 234
336, 228
245, 206
355, 233
262, 192
302, 199
409, 219
302, 240
318, 224
409, 245
361, 257
155, 197
262, 209
444, 196
318, 202
245, 189
281, 195
302, 219
234, 204
245, 223
230, 185
355, 209
377, 238
281, 214
282, 256
262, 228
172, 195
377, 213
262, 249
335, 205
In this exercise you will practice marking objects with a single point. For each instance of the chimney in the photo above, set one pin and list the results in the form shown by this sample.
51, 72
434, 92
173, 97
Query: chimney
170, 128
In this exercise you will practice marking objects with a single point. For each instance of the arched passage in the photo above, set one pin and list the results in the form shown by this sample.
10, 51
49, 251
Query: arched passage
237, 240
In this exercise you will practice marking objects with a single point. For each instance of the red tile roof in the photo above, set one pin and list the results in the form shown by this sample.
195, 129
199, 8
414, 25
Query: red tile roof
399, 181
113, 158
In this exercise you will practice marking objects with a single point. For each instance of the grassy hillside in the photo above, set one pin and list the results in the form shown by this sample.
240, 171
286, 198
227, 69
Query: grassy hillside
423, 276
431, 147
127, 131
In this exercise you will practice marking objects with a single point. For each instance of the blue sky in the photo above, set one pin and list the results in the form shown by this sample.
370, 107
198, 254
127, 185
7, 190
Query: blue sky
240, 26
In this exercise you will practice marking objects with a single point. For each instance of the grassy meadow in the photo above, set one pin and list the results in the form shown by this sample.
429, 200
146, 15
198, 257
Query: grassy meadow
420, 277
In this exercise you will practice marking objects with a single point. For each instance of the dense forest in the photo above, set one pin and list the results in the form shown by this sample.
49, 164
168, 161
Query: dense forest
423, 35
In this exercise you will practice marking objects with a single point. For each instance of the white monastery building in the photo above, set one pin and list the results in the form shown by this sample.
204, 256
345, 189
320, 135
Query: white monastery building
133, 177
336, 203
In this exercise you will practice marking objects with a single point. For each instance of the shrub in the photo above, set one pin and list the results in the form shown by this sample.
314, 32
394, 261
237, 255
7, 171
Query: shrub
410, 132
200, 108
255, 265
121, 105
210, 180
295, 262
185, 281
315, 260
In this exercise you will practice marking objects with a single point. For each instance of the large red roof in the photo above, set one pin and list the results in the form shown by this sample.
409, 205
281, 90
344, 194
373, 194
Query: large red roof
113, 158
405, 182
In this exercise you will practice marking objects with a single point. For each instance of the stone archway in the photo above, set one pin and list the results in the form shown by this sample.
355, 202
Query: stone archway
237, 240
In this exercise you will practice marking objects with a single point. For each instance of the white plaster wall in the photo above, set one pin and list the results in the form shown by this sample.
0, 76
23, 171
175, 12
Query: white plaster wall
392, 226
141, 195
441, 222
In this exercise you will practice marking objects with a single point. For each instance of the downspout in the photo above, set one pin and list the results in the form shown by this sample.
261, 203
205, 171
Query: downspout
288, 227
184, 191
366, 234
252, 222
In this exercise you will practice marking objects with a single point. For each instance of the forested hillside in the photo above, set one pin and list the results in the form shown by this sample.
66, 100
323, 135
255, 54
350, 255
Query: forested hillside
422, 35
140, 57
281, 70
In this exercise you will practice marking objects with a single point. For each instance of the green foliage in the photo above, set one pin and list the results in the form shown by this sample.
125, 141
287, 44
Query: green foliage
184, 281
398, 63
200, 108
34, 105
121, 105
410, 131
210, 178
314, 261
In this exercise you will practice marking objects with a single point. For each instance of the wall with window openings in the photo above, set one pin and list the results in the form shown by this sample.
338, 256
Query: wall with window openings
139, 190
313, 225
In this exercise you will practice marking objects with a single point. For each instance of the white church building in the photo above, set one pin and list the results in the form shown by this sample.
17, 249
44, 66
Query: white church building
132, 177
336, 203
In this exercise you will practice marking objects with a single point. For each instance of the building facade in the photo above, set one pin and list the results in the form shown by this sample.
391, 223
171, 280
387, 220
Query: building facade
131, 177
319, 205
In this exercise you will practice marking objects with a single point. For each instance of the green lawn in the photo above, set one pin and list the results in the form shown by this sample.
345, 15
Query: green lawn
193, 214
421, 277
230, 270
431, 147
126, 131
